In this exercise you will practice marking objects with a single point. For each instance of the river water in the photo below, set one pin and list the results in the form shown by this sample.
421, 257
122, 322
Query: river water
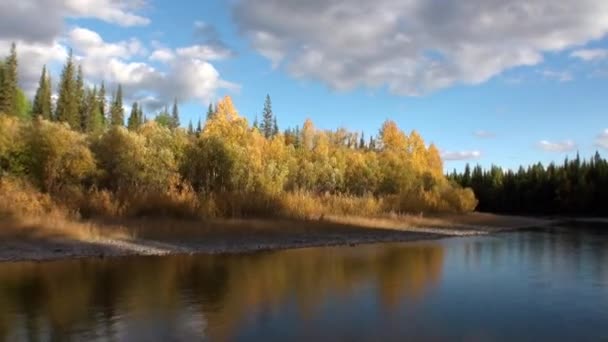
549, 284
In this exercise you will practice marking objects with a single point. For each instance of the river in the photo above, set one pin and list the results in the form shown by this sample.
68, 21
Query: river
545, 284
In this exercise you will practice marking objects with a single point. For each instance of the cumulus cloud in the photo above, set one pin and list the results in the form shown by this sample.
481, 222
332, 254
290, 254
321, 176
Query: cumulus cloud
417, 46
483, 134
560, 76
35, 21
37, 28
559, 146
184, 73
460, 155
32, 56
602, 140
590, 54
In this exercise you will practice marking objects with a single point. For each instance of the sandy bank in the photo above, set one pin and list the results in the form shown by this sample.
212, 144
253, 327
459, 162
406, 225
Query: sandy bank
39, 240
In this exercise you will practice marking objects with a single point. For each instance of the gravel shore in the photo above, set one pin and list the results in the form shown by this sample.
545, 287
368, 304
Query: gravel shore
247, 239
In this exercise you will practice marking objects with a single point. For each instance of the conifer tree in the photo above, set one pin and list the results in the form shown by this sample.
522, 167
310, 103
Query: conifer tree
362, 141
268, 122
141, 116
175, 115
9, 88
81, 100
101, 99
210, 112
199, 126
256, 124
134, 121
67, 103
94, 118
190, 128
117, 112
275, 127
42, 101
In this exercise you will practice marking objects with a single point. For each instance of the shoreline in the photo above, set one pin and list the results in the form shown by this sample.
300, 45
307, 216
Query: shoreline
170, 237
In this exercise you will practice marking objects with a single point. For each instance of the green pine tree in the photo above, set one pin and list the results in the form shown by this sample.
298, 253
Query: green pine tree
67, 103
101, 100
81, 100
190, 128
210, 112
134, 121
94, 123
199, 126
267, 125
117, 112
175, 115
42, 101
275, 127
9, 89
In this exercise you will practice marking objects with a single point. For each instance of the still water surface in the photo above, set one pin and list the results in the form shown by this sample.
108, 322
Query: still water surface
527, 285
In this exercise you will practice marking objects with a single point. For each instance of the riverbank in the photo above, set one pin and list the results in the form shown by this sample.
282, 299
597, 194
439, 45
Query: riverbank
51, 239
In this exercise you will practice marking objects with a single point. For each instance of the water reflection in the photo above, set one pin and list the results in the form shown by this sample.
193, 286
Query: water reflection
188, 297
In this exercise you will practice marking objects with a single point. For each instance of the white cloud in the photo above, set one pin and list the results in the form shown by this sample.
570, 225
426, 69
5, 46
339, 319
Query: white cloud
460, 155
602, 140
414, 46
590, 54
560, 146
560, 76
32, 56
205, 52
483, 134
162, 55
185, 73
113, 11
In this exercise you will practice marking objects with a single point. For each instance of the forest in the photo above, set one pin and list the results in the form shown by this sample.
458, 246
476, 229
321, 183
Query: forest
576, 187
74, 149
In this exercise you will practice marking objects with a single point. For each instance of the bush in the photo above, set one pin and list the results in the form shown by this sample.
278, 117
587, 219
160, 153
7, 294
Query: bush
57, 156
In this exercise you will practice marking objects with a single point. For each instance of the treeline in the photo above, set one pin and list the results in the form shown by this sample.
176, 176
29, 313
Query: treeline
78, 152
576, 187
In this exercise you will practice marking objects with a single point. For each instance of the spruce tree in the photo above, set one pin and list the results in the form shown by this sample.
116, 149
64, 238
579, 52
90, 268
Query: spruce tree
256, 124
67, 103
275, 127
81, 100
190, 128
210, 112
175, 115
267, 125
101, 100
42, 101
94, 123
362, 141
117, 112
9, 84
134, 122
199, 126
140, 116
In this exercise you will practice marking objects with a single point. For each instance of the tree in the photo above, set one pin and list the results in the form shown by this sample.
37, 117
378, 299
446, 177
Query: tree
268, 121
199, 126
308, 134
275, 127
210, 112
175, 115
93, 119
256, 124
42, 101
80, 99
9, 84
134, 120
190, 128
102, 101
67, 103
117, 112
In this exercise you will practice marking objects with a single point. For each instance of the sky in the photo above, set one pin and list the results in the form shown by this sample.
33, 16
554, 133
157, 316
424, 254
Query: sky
488, 81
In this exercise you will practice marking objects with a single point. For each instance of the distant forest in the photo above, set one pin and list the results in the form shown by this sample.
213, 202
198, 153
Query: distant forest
576, 187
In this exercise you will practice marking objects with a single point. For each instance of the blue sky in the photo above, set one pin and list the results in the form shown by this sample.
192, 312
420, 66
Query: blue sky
488, 83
